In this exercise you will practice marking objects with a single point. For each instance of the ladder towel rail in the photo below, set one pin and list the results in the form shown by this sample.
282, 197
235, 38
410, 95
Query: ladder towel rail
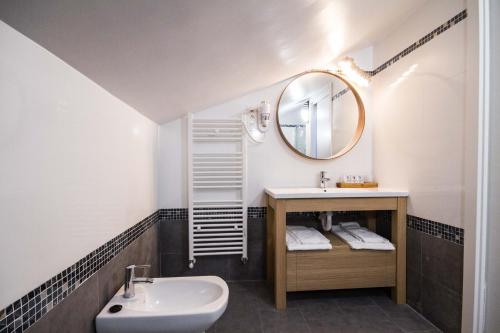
217, 188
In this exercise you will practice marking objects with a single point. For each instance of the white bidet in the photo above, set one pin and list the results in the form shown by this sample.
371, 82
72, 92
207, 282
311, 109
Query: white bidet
176, 305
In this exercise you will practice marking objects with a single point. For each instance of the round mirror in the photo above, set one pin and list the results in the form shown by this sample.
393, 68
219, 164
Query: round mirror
320, 115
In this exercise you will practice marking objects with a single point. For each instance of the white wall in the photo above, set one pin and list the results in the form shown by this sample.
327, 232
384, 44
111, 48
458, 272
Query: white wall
270, 164
420, 122
77, 165
493, 228
471, 153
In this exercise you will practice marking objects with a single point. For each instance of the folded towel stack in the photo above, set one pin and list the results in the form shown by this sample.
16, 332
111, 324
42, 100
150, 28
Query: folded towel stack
302, 238
360, 238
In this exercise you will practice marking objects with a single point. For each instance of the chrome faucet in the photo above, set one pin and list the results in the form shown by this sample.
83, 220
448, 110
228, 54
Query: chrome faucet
323, 180
130, 279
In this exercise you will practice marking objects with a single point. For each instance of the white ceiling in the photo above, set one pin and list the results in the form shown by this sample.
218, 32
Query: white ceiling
169, 57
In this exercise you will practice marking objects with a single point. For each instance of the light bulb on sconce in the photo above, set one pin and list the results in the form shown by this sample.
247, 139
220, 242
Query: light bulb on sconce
257, 122
353, 72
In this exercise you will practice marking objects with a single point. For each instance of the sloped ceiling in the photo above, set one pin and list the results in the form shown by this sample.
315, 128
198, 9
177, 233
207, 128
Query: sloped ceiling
169, 57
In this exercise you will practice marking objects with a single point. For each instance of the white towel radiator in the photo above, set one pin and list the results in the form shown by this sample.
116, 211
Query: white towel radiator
217, 188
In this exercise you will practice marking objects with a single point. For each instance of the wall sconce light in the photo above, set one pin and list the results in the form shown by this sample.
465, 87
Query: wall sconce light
264, 116
257, 122
353, 72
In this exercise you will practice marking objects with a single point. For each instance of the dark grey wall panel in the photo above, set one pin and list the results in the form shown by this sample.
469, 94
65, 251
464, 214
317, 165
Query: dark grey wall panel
434, 279
173, 237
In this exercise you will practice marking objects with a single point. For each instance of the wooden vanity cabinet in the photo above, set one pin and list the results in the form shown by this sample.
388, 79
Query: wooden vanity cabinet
341, 267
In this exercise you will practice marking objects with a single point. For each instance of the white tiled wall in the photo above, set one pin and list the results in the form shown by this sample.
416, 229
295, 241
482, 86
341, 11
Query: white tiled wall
420, 115
77, 165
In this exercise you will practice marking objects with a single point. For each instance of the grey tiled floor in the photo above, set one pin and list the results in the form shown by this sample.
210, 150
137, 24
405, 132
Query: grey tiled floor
250, 309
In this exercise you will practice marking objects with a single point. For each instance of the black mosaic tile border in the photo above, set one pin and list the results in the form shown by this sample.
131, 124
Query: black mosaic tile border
427, 38
252, 213
432, 228
340, 93
23, 313
436, 229
183, 213
303, 214
257, 212
261, 213
173, 214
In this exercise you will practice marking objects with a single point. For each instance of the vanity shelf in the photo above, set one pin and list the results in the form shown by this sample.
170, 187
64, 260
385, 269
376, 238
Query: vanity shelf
341, 267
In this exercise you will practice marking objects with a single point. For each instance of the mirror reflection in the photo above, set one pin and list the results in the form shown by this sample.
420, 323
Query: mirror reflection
318, 115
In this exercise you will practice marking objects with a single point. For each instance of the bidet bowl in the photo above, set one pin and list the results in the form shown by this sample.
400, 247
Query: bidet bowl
168, 305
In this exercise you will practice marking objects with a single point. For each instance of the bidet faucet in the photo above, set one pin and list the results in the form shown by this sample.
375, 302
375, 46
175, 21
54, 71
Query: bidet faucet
130, 279
323, 180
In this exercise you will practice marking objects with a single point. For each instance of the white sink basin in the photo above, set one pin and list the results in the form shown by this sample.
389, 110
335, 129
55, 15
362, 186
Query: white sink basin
333, 192
177, 305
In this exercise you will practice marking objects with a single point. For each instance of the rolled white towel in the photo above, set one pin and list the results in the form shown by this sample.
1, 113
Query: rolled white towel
356, 244
361, 233
307, 235
290, 238
307, 247
294, 241
348, 225
366, 235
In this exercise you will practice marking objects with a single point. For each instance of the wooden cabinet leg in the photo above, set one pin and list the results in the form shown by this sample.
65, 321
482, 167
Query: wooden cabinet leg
270, 245
398, 234
280, 255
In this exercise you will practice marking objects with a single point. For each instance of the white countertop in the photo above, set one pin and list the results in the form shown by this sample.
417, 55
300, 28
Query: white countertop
333, 192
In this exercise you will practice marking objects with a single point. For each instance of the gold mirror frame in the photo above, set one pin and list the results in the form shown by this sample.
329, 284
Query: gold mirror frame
361, 116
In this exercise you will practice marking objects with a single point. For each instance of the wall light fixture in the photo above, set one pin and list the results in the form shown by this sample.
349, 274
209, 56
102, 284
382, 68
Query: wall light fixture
257, 122
353, 72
